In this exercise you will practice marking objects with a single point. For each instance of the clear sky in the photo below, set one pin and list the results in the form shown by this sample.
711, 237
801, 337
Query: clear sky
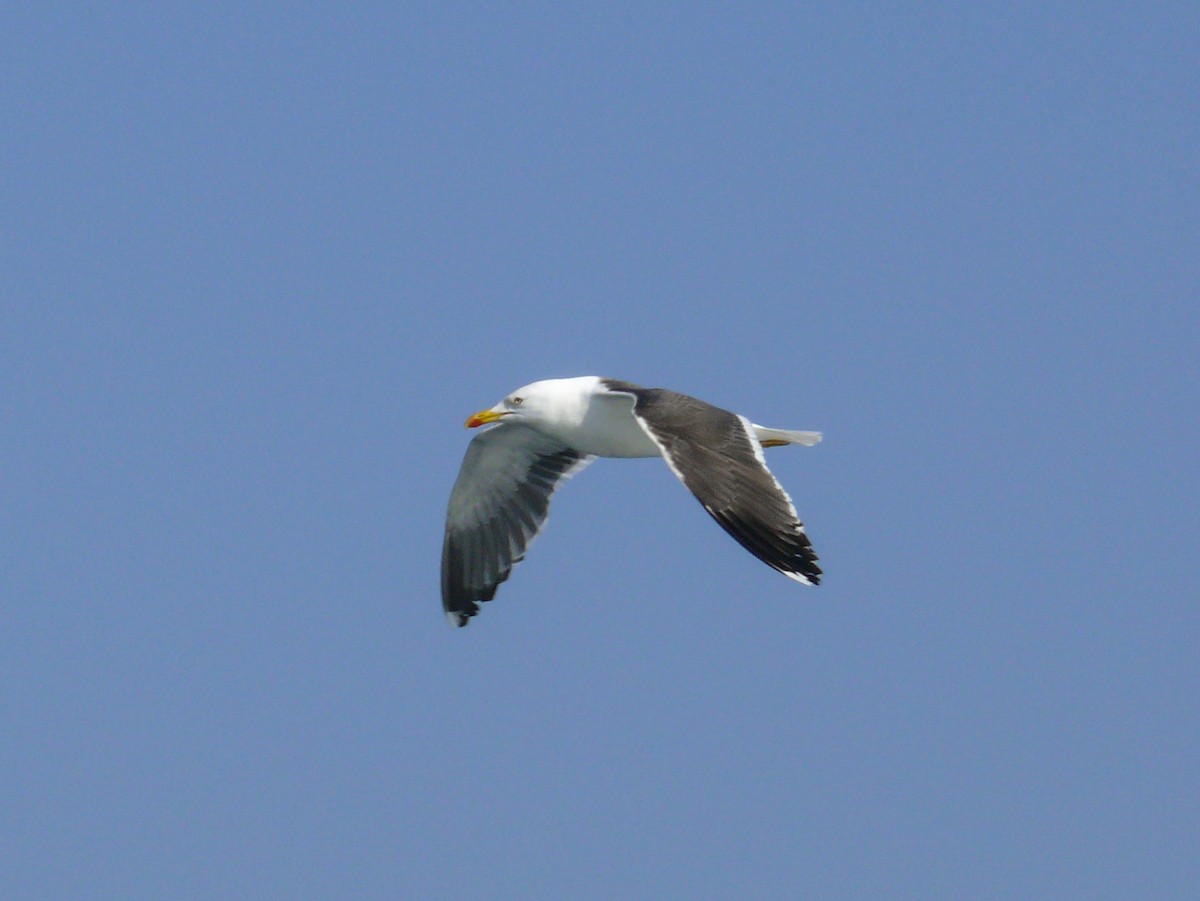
258, 262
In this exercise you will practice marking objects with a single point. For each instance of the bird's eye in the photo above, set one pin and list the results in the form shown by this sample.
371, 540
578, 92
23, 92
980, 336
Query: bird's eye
517, 401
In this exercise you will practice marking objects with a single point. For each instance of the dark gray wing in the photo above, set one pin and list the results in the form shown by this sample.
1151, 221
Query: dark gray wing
497, 506
717, 456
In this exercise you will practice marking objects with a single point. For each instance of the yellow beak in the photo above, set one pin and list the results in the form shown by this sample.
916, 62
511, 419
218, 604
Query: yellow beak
483, 417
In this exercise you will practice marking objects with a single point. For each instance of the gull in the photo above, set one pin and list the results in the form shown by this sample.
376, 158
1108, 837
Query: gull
547, 431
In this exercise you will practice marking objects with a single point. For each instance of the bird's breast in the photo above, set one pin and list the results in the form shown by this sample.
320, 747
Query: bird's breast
608, 429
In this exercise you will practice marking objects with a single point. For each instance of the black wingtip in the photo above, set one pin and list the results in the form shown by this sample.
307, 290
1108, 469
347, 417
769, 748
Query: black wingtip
812, 575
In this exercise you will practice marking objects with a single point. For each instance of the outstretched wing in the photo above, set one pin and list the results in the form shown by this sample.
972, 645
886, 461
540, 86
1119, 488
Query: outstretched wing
498, 505
716, 454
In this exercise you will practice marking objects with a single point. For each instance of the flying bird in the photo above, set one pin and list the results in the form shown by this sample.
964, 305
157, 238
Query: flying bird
548, 431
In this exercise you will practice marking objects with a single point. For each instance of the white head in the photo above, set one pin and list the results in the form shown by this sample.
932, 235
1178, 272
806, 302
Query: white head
544, 401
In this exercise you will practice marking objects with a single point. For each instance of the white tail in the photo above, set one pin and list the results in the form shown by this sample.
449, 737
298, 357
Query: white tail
776, 437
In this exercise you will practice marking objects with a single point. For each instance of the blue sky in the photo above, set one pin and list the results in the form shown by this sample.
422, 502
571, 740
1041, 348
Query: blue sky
257, 264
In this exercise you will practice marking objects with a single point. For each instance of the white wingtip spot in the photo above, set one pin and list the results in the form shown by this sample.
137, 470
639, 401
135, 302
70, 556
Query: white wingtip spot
802, 579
